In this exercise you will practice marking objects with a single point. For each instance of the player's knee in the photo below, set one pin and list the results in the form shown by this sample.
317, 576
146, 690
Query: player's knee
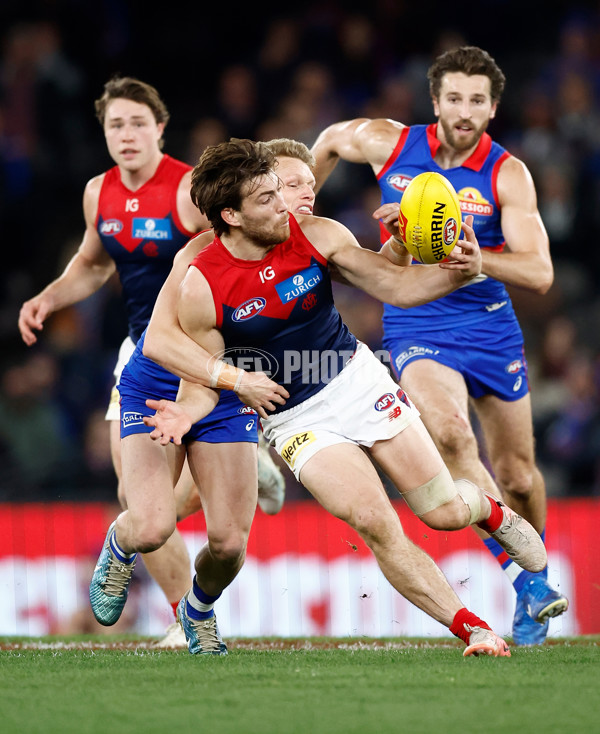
375, 522
229, 549
456, 440
451, 516
515, 478
150, 536
440, 502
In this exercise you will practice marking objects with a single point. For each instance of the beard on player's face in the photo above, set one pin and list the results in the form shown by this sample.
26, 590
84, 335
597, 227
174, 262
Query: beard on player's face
266, 233
461, 141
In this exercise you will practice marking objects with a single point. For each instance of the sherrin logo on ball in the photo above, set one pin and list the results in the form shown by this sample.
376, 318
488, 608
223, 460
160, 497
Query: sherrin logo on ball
429, 218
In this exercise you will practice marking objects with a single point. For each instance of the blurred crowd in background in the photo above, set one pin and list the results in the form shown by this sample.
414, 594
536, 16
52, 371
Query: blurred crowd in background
272, 74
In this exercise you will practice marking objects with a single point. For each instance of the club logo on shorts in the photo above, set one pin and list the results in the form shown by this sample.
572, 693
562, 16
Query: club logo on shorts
249, 309
131, 419
384, 402
291, 449
403, 396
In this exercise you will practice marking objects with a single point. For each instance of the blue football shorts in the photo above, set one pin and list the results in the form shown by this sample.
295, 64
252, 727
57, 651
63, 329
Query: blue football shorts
491, 360
230, 422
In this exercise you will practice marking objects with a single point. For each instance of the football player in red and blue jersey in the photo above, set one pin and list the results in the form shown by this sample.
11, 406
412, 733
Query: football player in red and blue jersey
260, 293
138, 215
467, 348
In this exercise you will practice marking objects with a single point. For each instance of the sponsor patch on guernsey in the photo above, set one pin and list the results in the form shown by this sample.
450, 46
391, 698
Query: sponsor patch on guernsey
291, 448
299, 284
151, 229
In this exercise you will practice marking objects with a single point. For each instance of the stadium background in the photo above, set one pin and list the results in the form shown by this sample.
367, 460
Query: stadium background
262, 73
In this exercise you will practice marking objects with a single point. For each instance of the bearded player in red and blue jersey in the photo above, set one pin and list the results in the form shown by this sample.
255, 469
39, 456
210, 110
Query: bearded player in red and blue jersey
467, 347
262, 289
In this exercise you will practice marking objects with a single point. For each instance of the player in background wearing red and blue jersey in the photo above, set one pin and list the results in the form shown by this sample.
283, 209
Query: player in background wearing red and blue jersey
262, 289
466, 349
138, 215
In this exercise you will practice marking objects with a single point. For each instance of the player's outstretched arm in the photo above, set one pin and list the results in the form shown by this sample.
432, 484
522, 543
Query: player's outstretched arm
87, 271
357, 141
399, 286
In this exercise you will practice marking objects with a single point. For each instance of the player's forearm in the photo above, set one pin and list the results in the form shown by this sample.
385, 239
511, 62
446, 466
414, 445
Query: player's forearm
394, 251
196, 400
526, 270
80, 279
421, 284
184, 357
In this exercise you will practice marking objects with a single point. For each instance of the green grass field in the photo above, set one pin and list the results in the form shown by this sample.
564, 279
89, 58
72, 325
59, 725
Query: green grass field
312, 686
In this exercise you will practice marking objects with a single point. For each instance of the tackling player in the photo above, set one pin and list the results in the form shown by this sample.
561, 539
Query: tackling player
263, 284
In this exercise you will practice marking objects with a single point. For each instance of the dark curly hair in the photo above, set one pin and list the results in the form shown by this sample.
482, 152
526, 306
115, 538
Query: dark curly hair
221, 173
470, 60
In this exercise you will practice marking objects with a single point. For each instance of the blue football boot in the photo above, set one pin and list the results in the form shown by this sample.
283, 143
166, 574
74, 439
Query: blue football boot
110, 584
202, 635
536, 603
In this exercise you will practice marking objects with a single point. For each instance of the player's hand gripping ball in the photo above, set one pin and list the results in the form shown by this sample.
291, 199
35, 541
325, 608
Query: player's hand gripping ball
429, 219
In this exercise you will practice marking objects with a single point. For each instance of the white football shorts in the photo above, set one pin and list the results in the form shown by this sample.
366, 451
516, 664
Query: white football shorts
126, 349
361, 405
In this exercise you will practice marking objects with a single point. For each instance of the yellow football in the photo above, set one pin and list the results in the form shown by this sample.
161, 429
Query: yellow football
429, 217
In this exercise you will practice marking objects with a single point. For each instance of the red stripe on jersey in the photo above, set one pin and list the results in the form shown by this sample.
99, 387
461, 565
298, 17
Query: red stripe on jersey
395, 153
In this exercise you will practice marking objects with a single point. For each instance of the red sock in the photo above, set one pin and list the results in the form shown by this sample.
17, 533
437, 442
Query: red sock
494, 520
174, 605
465, 617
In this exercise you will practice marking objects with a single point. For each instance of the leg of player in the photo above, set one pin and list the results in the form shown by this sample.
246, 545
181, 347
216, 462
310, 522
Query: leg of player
149, 471
441, 395
346, 484
226, 475
170, 566
508, 431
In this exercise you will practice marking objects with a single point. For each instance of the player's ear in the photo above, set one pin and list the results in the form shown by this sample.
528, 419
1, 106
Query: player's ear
436, 106
493, 110
230, 217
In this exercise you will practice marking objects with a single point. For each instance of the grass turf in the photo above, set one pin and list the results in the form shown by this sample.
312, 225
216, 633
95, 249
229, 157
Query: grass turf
331, 686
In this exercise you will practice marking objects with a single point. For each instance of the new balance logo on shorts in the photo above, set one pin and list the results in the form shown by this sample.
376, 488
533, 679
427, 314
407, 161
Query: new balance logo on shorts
131, 419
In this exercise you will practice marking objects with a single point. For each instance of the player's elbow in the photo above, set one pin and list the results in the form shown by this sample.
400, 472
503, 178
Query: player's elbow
150, 348
544, 279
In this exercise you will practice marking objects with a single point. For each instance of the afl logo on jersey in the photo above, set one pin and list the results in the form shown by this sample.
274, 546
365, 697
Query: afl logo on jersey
398, 181
385, 401
248, 309
111, 227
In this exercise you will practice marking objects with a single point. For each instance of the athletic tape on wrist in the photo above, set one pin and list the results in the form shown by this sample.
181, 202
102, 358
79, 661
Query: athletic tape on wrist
238, 382
214, 376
